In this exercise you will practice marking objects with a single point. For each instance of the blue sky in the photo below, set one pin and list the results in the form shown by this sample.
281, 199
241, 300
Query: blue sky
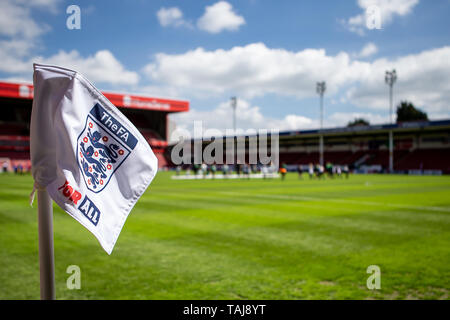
260, 51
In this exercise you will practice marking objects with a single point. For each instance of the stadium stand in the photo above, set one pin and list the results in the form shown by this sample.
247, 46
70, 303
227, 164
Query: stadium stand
148, 114
418, 146
426, 159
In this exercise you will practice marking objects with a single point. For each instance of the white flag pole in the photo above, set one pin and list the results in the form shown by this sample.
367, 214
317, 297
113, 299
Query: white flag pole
46, 256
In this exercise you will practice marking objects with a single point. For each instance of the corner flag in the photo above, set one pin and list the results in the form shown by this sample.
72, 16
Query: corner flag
91, 159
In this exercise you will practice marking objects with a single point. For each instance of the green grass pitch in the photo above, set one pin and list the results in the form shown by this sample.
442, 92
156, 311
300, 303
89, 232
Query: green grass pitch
240, 239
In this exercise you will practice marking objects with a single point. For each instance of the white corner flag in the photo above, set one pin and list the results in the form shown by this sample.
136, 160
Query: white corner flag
91, 159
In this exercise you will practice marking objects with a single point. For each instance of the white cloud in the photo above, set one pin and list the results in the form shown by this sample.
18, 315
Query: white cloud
21, 34
256, 70
51, 5
155, 90
219, 17
248, 117
171, 17
423, 78
102, 67
12, 53
16, 19
251, 70
388, 10
367, 51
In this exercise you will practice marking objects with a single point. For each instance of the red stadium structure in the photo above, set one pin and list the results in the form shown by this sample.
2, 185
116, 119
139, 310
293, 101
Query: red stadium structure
421, 147
148, 114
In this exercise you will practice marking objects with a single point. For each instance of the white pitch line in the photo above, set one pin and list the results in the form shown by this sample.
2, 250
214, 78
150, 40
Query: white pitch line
368, 203
220, 176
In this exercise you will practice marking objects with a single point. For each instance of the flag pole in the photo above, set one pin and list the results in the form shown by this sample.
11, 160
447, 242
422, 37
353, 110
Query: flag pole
46, 256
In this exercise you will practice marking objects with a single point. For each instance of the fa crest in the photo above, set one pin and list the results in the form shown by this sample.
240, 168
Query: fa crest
102, 146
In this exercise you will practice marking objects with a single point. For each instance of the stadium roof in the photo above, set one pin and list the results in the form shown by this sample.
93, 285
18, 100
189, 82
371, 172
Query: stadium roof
396, 127
25, 92
356, 130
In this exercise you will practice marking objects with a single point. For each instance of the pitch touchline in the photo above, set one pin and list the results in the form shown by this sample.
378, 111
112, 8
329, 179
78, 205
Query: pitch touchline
369, 203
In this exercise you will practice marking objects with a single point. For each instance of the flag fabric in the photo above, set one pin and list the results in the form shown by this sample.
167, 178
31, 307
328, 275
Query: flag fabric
93, 161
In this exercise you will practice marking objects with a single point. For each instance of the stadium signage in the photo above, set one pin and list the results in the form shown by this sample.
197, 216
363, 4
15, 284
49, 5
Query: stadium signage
153, 104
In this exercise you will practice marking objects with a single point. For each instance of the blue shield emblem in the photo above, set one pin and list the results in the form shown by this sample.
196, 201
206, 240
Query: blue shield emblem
102, 146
